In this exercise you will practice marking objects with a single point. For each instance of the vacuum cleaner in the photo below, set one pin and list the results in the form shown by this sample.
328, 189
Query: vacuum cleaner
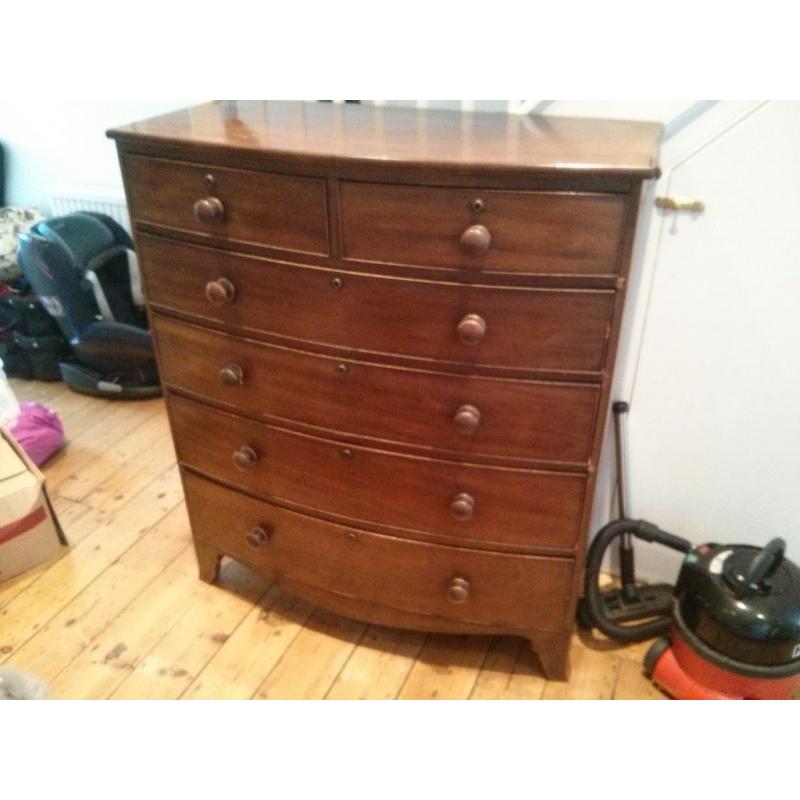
83, 268
728, 629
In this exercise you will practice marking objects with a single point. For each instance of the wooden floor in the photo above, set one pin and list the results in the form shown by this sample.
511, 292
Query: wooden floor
123, 615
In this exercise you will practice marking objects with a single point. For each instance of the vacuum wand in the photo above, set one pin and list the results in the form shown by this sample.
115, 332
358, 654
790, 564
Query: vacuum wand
627, 567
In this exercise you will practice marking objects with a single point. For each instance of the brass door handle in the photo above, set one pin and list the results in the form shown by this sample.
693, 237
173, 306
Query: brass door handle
680, 204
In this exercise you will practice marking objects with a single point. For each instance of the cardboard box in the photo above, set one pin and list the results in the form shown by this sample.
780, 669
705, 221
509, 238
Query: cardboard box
29, 529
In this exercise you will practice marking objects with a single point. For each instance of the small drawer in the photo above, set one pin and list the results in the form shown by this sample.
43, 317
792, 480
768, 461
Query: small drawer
458, 413
493, 589
281, 211
555, 330
463, 502
492, 231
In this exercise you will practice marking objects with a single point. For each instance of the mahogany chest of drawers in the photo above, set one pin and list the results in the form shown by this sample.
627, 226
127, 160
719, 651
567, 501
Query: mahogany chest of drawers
387, 338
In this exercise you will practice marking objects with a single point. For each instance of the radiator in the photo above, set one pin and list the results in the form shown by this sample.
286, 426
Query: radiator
66, 200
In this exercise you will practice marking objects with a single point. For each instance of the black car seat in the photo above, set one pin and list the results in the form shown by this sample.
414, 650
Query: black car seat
83, 268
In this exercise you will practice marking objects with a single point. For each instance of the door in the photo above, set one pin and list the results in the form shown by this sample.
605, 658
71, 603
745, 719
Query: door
715, 394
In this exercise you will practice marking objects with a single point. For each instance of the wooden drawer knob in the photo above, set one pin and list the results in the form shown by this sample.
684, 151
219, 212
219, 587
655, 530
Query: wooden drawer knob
463, 506
471, 329
467, 419
220, 291
458, 590
244, 458
209, 209
256, 537
232, 375
476, 240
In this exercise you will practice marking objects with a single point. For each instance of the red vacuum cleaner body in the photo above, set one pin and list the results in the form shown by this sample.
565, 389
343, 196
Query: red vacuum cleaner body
735, 627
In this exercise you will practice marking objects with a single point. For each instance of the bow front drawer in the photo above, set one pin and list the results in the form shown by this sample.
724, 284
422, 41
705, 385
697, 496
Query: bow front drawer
281, 211
488, 230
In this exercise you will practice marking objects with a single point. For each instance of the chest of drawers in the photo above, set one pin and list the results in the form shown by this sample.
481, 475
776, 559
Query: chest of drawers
387, 338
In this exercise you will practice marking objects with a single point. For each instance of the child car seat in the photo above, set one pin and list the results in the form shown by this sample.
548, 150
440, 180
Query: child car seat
83, 268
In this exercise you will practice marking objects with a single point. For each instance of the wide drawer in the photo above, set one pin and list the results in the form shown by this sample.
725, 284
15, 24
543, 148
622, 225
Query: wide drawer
493, 589
546, 329
461, 413
464, 502
280, 211
525, 232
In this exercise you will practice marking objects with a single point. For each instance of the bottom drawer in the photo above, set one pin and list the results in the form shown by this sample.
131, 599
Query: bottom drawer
497, 590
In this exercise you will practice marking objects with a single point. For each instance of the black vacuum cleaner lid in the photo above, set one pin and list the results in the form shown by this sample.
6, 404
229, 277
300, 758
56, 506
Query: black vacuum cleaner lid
743, 602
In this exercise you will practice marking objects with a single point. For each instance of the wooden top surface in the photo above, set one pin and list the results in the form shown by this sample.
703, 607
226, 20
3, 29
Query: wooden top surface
346, 133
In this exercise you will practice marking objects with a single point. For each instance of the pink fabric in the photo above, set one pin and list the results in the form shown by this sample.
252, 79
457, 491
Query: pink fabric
38, 430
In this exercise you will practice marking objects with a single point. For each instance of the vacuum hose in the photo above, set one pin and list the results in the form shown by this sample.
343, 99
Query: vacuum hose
594, 560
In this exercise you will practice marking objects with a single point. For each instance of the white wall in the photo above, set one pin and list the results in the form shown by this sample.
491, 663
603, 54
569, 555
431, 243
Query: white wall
63, 142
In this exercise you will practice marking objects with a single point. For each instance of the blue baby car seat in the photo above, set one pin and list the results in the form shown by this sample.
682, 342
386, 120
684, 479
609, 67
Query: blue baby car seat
83, 268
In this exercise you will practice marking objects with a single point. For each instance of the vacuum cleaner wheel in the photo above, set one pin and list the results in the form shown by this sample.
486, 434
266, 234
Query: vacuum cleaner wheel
654, 652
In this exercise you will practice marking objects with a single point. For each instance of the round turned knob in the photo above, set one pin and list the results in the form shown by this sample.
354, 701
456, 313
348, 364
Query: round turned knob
476, 240
220, 291
458, 590
467, 419
244, 458
463, 506
209, 209
471, 329
232, 375
256, 536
